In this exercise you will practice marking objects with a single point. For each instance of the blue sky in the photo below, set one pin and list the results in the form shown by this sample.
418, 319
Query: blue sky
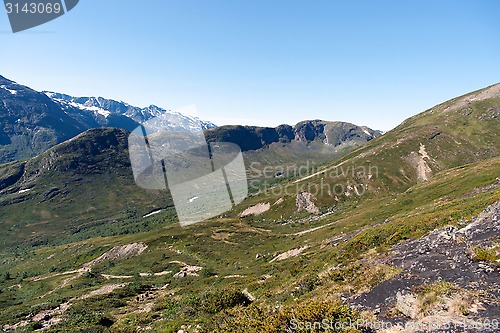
264, 62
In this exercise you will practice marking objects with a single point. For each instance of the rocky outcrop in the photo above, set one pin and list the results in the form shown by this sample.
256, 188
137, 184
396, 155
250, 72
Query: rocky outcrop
305, 201
445, 255
119, 253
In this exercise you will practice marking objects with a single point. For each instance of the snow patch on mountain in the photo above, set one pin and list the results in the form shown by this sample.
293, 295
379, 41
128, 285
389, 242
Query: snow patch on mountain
13, 92
101, 107
94, 109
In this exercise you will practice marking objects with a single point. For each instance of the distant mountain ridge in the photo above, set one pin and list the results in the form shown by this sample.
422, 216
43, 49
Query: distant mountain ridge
332, 133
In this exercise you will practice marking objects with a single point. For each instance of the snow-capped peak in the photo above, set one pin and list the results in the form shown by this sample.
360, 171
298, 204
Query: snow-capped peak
101, 107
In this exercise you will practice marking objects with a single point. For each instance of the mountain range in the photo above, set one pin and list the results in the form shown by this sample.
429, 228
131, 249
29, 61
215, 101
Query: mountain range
62, 182
32, 121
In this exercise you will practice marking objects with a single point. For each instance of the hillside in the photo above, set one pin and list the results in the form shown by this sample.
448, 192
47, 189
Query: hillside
231, 273
460, 131
80, 183
335, 242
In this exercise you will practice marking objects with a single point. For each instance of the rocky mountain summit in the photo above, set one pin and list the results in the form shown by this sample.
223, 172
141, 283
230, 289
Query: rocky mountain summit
331, 133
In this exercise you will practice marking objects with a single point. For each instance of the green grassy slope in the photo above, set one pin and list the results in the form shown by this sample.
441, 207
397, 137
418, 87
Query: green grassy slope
459, 131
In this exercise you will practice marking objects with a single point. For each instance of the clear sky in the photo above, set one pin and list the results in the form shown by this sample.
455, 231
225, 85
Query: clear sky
264, 62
